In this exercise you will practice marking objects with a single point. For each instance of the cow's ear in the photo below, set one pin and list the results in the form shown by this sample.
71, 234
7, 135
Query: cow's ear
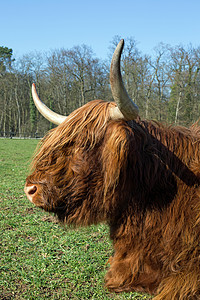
114, 156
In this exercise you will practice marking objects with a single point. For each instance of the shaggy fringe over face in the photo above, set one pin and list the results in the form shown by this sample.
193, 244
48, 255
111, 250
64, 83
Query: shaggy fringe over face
84, 127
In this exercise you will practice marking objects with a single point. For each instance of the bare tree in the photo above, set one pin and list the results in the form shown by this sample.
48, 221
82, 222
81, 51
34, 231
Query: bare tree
184, 76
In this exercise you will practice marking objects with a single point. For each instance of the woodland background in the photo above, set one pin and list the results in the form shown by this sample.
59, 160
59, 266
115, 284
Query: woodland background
165, 85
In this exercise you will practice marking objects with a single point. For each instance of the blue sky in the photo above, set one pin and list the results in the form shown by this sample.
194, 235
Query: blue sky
43, 25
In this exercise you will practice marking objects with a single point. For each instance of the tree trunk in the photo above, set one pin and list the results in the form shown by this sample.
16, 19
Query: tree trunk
178, 107
19, 113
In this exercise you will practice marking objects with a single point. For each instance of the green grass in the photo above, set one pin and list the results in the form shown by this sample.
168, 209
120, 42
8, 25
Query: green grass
39, 258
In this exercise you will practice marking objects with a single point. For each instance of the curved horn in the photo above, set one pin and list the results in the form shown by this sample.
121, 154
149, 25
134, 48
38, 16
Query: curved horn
44, 110
126, 108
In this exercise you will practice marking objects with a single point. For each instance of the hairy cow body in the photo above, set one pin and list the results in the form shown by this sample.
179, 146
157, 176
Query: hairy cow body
140, 177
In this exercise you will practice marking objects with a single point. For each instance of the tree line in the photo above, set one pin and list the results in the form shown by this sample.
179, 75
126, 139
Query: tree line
165, 85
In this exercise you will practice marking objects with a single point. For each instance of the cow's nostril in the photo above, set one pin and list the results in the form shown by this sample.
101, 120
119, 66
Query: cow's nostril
30, 191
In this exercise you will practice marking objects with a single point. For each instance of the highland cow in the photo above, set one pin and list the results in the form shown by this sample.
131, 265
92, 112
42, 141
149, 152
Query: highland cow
104, 164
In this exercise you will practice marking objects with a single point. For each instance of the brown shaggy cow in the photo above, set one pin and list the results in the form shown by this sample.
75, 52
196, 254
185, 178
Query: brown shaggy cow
103, 164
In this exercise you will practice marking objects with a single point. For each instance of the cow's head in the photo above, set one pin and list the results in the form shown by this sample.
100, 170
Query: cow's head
80, 163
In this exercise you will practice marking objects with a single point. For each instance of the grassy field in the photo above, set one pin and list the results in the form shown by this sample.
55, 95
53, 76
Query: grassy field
40, 259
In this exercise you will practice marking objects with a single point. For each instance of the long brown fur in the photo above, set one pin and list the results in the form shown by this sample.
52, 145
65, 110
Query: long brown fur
140, 177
